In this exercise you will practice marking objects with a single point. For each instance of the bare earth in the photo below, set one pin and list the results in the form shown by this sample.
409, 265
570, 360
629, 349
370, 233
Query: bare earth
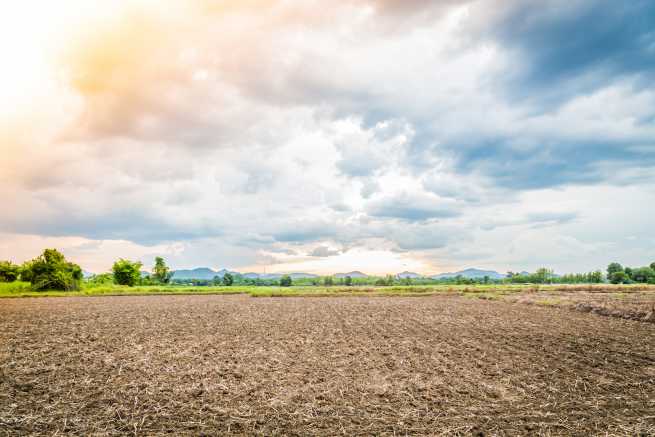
209, 365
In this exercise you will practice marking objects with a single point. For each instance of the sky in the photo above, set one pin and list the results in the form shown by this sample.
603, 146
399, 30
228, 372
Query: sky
373, 135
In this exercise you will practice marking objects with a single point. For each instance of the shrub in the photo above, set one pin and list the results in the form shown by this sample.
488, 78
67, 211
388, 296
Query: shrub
228, 279
9, 272
285, 281
101, 279
51, 271
127, 272
26, 271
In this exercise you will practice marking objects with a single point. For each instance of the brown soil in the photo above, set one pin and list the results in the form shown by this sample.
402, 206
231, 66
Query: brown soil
194, 365
632, 303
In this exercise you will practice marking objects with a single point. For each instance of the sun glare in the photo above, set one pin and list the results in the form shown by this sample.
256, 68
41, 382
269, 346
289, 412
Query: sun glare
33, 34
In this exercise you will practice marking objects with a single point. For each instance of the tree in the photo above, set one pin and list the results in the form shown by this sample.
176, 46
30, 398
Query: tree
596, 277
348, 281
328, 281
9, 272
285, 281
26, 271
127, 272
544, 275
228, 279
652, 265
613, 268
643, 275
160, 272
628, 271
618, 277
51, 271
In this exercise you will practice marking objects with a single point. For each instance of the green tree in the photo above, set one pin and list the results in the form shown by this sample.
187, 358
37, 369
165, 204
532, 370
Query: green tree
613, 268
9, 272
51, 271
348, 281
328, 281
596, 277
544, 275
127, 272
652, 265
619, 277
628, 271
228, 279
285, 281
160, 272
643, 275
26, 271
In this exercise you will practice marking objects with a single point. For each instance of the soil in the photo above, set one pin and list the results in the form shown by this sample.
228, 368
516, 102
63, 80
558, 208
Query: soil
215, 365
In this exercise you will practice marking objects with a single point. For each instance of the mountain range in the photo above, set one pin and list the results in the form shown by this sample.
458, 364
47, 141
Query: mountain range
470, 274
205, 273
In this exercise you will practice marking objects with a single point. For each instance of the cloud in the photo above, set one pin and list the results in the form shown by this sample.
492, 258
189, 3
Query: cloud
252, 132
413, 207
580, 45
324, 251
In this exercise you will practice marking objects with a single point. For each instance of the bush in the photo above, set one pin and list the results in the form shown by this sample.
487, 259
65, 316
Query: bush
285, 281
619, 278
9, 272
101, 279
127, 272
26, 271
51, 271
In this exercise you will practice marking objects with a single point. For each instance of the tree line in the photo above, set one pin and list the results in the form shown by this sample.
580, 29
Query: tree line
51, 271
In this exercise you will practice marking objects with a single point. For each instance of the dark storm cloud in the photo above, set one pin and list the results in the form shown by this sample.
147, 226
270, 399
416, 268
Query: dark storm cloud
566, 47
551, 164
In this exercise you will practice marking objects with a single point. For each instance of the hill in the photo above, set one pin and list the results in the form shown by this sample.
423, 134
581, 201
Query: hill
471, 273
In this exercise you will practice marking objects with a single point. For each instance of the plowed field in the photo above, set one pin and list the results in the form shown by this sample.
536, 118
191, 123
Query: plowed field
192, 365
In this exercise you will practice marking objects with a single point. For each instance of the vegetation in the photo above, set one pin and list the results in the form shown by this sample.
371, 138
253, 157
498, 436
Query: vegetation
9, 272
228, 279
160, 272
127, 272
617, 274
51, 271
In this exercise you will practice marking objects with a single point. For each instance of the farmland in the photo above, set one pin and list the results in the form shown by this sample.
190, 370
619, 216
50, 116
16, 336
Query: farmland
492, 361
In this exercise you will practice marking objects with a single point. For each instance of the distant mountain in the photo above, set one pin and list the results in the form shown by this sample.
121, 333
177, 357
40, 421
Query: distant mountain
410, 275
470, 274
251, 275
197, 273
275, 276
269, 276
355, 274
299, 275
